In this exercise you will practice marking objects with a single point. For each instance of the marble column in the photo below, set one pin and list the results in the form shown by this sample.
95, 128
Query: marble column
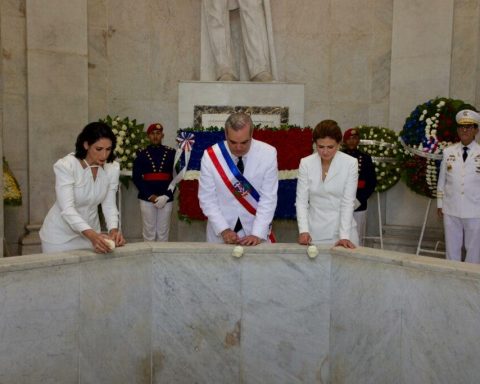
57, 77
420, 70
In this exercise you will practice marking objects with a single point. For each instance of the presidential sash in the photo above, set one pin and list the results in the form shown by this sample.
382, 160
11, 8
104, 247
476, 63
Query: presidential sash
235, 182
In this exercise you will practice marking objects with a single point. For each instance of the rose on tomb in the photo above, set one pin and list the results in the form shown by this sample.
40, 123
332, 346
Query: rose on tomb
237, 251
312, 251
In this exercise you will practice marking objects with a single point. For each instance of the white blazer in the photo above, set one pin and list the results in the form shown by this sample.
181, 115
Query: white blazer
458, 187
325, 208
78, 195
223, 209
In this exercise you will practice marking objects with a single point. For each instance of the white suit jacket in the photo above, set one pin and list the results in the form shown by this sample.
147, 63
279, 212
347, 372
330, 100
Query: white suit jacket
325, 208
458, 188
78, 195
222, 208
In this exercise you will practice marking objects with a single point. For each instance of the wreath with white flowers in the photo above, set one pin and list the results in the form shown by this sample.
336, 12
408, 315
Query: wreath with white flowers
130, 138
429, 129
386, 152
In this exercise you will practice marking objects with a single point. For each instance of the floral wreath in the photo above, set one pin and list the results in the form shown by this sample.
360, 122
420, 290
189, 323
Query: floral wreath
429, 129
130, 138
12, 195
386, 152
292, 143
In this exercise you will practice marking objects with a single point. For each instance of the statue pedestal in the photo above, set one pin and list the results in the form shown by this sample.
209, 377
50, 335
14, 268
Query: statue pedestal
211, 97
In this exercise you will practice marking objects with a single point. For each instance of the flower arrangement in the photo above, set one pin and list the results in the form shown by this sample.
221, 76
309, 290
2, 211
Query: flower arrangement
386, 152
429, 129
12, 194
130, 138
292, 143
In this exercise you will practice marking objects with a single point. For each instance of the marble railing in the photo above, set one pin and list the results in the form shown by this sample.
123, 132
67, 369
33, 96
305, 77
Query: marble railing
192, 313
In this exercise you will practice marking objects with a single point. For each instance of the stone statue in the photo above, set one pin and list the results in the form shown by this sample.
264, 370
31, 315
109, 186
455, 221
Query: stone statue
254, 33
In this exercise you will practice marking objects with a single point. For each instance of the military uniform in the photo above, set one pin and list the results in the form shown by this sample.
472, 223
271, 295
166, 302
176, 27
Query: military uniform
152, 174
458, 191
458, 194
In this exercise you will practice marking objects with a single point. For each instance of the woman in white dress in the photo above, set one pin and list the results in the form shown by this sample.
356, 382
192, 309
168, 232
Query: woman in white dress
83, 180
326, 189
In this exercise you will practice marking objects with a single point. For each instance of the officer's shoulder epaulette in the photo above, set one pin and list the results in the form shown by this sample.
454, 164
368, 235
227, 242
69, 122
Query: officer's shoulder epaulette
169, 148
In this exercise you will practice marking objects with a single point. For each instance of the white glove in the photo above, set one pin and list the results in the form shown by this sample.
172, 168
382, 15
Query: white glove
160, 201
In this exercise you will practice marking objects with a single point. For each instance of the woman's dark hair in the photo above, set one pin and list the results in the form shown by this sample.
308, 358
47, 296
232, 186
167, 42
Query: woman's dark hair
327, 128
91, 134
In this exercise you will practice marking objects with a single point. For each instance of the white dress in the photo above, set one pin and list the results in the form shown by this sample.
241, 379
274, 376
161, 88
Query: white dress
76, 207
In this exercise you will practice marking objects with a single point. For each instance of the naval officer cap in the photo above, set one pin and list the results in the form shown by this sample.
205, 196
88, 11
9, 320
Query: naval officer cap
467, 117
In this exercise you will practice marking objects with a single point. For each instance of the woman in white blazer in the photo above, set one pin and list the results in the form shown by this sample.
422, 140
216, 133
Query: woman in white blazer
326, 189
83, 180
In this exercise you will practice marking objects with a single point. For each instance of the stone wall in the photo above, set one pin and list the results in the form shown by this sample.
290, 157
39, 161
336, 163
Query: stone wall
190, 312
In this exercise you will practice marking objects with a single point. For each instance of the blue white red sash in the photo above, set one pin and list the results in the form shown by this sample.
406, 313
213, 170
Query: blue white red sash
236, 183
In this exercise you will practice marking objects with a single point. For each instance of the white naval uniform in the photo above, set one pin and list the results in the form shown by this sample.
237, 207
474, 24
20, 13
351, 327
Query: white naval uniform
458, 194
223, 209
325, 207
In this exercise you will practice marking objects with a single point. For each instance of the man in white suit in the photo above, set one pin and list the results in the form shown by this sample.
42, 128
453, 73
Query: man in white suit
458, 190
238, 185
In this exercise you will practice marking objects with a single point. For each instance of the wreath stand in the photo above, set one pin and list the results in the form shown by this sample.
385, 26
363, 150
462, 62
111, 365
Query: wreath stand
419, 246
380, 228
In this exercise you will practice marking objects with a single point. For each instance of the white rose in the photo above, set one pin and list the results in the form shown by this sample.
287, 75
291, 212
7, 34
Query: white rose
124, 127
114, 131
127, 151
424, 112
110, 243
237, 251
114, 123
119, 140
124, 158
132, 135
134, 155
312, 251
127, 141
122, 133
382, 174
120, 151
135, 146
130, 165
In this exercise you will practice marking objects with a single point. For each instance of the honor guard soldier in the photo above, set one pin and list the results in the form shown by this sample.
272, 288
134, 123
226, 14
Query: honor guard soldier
367, 179
152, 174
458, 191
